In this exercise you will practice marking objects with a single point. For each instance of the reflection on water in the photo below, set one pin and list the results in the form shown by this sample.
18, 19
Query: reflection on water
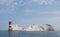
33, 34
9, 34
13, 34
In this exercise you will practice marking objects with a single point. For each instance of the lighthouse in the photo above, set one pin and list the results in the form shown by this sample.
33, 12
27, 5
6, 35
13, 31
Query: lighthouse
10, 26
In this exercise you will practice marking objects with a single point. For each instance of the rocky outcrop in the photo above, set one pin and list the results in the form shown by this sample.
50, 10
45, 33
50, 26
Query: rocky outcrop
44, 27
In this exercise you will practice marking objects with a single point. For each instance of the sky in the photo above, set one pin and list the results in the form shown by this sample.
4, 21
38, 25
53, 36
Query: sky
28, 12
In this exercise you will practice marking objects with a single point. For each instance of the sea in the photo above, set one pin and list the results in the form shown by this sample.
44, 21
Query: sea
30, 34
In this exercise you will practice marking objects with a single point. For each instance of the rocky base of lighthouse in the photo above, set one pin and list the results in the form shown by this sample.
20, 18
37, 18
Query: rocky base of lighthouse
45, 27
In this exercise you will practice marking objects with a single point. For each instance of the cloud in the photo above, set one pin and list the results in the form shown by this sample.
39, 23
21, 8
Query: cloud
3, 1
23, 2
12, 4
7, 2
37, 11
41, 2
17, 4
56, 12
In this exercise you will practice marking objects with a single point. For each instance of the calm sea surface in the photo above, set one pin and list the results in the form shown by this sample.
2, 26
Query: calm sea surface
30, 34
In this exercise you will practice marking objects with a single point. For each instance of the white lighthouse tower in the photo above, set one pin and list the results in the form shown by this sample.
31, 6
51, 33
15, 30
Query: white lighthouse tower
10, 26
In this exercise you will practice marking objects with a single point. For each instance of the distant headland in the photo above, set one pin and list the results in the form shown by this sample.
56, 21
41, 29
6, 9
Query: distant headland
34, 27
